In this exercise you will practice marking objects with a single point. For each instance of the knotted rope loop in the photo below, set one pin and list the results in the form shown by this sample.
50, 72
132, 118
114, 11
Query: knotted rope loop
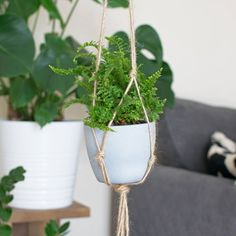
121, 189
123, 212
101, 42
101, 162
133, 74
152, 160
100, 155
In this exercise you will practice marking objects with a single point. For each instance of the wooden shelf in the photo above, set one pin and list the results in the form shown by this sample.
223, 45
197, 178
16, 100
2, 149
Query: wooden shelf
76, 210
32, 222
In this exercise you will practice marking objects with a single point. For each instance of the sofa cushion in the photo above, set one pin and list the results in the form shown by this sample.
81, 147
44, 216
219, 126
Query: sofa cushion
185, 130
221, 156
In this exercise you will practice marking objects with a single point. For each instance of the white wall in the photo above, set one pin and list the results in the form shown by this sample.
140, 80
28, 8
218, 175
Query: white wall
199, 42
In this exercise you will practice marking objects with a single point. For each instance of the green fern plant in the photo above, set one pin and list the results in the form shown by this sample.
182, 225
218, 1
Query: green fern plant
112, 80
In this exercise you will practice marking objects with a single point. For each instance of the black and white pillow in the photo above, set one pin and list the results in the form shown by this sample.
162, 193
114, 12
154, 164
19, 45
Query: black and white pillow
222, 156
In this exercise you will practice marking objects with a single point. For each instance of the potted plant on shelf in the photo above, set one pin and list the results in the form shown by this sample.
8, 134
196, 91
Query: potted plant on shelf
127, 151
35, 135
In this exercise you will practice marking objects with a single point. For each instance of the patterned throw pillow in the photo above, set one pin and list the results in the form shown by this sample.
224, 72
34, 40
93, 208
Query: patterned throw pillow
222, 156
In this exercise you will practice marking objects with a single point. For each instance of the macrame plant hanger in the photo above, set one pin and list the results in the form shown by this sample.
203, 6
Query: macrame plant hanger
123, 190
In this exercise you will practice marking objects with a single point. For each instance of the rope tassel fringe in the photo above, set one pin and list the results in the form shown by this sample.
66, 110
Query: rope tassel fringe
123, 212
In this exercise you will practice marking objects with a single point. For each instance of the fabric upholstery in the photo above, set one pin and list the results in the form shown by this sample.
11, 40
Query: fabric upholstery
177, 202
179, 199
184, 133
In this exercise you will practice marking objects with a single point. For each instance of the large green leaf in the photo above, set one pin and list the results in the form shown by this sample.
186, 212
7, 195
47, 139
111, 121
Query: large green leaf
116, 3
16, 46
148, 42
53, 11
47, 111
164, 85
58, 53
23, 9
72, 42
3, 88
22, 91
5, 230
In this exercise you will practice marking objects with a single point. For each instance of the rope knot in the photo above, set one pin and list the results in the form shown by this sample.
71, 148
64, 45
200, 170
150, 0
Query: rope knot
133, 73
122, 189
152, 160
100, 156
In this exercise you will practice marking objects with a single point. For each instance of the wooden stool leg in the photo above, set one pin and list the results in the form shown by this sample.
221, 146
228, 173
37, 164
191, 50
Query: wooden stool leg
37, 228
29, 229
21, 229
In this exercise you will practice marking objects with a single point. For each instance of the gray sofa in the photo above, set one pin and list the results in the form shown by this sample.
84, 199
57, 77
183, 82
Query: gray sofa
180, 198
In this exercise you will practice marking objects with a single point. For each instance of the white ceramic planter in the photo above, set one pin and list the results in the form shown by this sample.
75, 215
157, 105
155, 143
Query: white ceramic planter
126, 155
49, 156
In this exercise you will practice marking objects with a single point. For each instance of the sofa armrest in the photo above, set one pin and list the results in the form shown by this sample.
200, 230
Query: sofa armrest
176, 202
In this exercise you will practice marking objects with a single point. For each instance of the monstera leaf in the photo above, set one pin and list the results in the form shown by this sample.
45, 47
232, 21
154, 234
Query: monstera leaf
164, 85
22, 91
47, 110
56, 52
150, 57
23, 9
116, 3
16, 56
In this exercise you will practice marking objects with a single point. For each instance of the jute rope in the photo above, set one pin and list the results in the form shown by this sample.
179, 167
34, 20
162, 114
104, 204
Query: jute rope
123, 190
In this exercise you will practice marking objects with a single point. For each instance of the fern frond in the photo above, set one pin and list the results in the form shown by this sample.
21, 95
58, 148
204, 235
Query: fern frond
157, 75
70, 71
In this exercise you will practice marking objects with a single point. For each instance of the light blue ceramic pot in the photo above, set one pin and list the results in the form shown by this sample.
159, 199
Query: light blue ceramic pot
127, 152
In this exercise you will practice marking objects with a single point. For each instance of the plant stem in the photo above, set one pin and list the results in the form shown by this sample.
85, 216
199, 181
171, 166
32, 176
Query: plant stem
71, 91
35, 21
54, 21
69, 17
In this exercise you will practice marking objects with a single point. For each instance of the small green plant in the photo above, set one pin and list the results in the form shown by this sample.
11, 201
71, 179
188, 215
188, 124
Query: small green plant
7, 184
54, 229
112, 80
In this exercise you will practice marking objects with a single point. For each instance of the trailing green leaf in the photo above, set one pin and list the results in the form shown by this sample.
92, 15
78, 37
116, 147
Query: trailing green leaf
5, 230
7, 184
54, 229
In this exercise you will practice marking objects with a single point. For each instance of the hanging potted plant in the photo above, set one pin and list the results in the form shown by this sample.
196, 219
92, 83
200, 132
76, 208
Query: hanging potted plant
123, 106
35, 135
127, 151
